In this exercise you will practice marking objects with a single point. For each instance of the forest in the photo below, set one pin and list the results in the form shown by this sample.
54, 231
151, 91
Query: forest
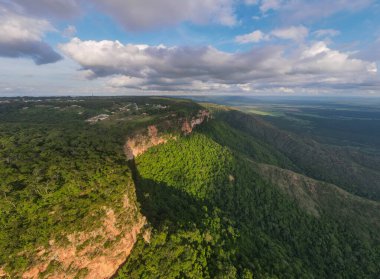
241, 196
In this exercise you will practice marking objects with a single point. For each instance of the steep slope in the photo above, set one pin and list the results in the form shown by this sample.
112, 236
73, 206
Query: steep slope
215, 214
321, 198
358, 173
68, 206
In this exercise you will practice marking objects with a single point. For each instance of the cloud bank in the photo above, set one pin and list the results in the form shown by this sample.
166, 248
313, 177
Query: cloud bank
161, 68
296, 55
254, 37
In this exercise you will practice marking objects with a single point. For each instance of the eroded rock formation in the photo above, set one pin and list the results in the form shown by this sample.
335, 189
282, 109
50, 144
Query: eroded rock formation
91, 255
189, 125
141, 142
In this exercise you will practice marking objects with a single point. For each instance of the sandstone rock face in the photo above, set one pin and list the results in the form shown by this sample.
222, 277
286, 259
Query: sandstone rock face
91, 255
142, 142
189, 125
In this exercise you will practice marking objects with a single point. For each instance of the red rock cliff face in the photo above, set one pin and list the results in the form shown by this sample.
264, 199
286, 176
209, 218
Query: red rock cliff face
189, 125
141, 142
95, 254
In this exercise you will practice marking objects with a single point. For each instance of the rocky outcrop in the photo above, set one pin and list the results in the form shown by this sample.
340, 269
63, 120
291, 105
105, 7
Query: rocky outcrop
140, 143
91, 255
189, 125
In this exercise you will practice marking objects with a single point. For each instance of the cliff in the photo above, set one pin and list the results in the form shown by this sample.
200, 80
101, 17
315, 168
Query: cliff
91, 254
143, 140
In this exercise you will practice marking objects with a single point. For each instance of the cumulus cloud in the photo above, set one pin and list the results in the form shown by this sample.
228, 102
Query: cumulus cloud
295, 33
254, 37
148, 14
320, 58
155, 63
267, 5
206, 68
21, 36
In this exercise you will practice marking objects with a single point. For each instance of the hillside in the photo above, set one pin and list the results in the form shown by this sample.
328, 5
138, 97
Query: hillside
226, 217
168, 188
68, 205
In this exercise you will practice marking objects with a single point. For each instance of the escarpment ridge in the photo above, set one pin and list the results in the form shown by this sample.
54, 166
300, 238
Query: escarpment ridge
141, 141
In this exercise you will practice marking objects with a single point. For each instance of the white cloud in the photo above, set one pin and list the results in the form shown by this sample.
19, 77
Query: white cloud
151, 14
161, 68
320, 58
326, 33
22, 36
14, 27
296, 33
372, 68
267, 5
126, 81
254, 37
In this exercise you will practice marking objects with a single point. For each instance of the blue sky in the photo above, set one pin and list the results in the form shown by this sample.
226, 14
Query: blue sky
262, 47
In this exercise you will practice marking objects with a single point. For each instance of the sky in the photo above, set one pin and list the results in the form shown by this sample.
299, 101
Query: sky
143, 47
